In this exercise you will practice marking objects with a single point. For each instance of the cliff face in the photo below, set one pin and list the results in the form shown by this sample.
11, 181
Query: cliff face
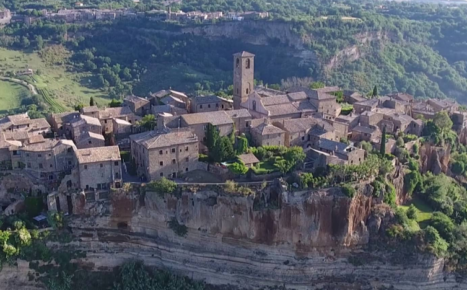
303, 240
434, 159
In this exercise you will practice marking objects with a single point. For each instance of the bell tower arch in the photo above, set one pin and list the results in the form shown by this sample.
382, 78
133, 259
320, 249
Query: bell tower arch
243, 78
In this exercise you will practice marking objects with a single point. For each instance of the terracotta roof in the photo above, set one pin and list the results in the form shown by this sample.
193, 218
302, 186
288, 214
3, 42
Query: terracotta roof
65, 117
20, 135
241, 113
244, 54
298, 125
160, 139
248, 158
206, 100
267, 91
275, 100
402, 96
298, 96
89, 135
20, 119
170, 100
283, 109
304, 106
36, 139
135, 99
264, 128
365, 129
109, 113
90, 109
215, 118
332, 145
98, 154
121, 122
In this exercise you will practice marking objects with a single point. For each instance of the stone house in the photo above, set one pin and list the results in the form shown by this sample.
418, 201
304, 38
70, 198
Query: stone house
168, 109
99, 168
249, 159
83, 125
209, 104
198, 123
263, 133
60, 123
156, 97
89, 139
403, 97
160, 154
45, 159
242, 120
139, 106
22, 122
439, 105
121, 128
344, 124
331, 152
352, 97
273, 107
92, 111
106, 115
393, 121
303, 132
365, 133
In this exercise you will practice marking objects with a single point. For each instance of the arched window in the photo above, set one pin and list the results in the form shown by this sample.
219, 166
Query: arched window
247, 91
248, 63
254, 105
238, 62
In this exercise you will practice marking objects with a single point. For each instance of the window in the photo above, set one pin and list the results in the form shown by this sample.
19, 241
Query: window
39, 155
186, 148
161, 152
117, 175
248, 63
247, 91
209, 106
104, 185
254, 105
15, 152
187, 159
101, 165
173, 150
303, 138
50, 155
50, 166
200, 106
105, 121
162, 174
247, 124
69, 162
90, 142
85, 167
161, 163
217, 105
51, 177
173, 161
40, 165
237, 62
99, 186
27, 154
69, 150
116, 163
186, 169
222, 106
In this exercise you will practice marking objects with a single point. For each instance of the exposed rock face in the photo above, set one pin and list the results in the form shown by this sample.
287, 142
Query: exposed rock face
303, 240
434, 159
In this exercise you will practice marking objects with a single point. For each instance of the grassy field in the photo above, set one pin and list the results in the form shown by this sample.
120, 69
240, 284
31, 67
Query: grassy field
65, 88
11, 95
424, 213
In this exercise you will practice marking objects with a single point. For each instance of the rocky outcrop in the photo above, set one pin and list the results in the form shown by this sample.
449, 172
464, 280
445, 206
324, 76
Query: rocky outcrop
434, 159
301, 240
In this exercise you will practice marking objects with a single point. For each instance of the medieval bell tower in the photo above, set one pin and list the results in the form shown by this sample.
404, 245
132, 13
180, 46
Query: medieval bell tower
243, 79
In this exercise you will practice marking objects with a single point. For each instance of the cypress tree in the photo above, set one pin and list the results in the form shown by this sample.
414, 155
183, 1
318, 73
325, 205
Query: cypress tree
375, 91
382, 149
91, 101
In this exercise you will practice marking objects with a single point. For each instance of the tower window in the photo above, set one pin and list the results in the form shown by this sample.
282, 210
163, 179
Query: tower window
254, 105
248, 63
247, 91
238, 62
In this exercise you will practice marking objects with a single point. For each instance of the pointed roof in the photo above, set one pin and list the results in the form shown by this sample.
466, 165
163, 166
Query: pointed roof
244, 54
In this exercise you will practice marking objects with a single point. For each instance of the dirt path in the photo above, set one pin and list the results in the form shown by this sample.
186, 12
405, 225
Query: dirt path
30, 87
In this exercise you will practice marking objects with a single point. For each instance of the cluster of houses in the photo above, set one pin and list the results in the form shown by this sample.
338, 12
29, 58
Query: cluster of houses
81, 15
81, 144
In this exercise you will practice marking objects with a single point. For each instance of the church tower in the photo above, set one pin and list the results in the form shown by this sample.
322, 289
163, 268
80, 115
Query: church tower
244, 76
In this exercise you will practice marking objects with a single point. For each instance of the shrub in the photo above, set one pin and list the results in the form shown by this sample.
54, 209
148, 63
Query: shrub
230, 186
238, 168
162, 186
203, 158
401, 217
125, 155
348, 190
434, 242
443, 224
412, 212
179, 229
390, 194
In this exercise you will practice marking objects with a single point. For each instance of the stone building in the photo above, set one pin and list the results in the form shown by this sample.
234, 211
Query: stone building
365, 133
60, 123
83, 125
242, 120
5, 16
305, 132
139, 106
89, 139
263, 133
331, 152
344, 124
243, 77
209, 104
106, 115
22, 122
393, 121
198, 123
160, 154
45, 159
156, 97
99, 168
121, 128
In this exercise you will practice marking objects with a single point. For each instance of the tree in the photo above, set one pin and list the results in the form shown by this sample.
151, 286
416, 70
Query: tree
443, 224
443, 121
242, 145
115, 103
436, 244
317, 85
238, 168
78, 107
382, 149
39, 42
91, 101
457, 167
375, 91
25, 42
162, 186
412, 212
148, 122
212, 136
225, 149
294, 156
400, 142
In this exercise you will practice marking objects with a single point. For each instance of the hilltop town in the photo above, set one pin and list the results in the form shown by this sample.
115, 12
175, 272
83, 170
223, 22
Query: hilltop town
170, 135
